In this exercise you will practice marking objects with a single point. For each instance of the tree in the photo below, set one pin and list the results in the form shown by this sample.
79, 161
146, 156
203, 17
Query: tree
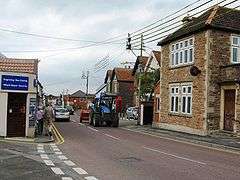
148, 81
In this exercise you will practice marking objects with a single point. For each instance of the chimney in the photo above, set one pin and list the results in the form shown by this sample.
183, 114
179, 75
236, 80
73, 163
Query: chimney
187, 19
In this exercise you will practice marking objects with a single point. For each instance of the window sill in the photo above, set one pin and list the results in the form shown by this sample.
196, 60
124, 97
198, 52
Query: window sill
180, 66
180, 115
231, 65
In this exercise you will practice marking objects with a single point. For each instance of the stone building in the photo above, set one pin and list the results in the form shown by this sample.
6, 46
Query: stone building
200, 74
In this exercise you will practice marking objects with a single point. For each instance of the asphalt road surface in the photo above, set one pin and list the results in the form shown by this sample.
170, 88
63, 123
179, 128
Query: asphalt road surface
118, 154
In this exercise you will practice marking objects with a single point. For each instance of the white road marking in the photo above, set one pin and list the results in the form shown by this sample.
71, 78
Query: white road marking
40, 148
62, 157
67, 178
74, 121
175, 156
44, 156
92, 128
41, 151
112, 136
56, 149
90, 178
40, 145
54, 146
48, 162
58, 153
69, 163
81, 124
57, 170
80, 171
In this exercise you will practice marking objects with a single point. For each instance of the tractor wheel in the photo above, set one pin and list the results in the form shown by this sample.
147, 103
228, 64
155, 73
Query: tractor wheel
96, 120
109, 123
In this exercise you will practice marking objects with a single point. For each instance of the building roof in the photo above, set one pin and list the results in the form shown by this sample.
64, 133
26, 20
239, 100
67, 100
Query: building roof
123, 74
157, 55
218, 17
108, 74
141, 60
19, 65
81, 94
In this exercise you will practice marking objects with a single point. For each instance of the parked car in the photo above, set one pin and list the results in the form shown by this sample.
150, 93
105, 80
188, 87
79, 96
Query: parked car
70, 109
62, 114
132, 113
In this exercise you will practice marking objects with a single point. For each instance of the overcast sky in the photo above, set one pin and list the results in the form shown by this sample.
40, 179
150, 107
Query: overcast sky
93, 20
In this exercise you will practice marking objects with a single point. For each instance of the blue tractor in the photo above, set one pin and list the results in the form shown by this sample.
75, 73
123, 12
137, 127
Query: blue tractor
103, 111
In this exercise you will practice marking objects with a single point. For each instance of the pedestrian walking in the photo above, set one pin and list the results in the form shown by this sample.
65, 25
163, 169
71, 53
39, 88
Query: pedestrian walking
39, 116
48, 119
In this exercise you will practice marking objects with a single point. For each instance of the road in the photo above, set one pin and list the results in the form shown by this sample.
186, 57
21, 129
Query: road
118, 154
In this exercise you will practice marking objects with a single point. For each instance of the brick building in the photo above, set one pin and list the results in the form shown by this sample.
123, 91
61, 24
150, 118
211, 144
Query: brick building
200, 74
120, 81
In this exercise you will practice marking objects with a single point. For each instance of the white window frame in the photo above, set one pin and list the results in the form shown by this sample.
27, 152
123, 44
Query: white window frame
237, 46
187, 95
175, 96
180, 47
180, 94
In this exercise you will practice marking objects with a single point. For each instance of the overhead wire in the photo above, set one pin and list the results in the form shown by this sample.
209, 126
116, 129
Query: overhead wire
163, 36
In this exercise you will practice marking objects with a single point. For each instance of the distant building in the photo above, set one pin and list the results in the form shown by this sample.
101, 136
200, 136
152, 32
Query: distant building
79, 99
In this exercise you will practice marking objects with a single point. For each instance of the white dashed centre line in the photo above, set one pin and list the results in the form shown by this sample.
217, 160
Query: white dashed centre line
80, 171
175, 156
90, 178
62, 157
44, 156
112, 136
48, 162
92, 128
67, 178
58, 153
69, 163
57, 170
41, 151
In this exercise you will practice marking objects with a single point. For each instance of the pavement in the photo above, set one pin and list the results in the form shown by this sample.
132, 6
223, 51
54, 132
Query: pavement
220, 140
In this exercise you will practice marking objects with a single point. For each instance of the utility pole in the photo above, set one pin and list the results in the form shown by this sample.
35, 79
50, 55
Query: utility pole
141, 49
87, 78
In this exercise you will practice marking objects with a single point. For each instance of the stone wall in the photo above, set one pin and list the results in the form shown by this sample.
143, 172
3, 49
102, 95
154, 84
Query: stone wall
181, 75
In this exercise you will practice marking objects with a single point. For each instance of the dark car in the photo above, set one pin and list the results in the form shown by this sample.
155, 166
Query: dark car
70, 109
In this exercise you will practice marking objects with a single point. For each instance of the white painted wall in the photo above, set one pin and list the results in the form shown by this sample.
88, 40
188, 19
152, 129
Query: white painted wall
4, 99
3, 114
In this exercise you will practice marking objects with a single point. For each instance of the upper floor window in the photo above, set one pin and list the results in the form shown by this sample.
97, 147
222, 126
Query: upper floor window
235, 49
182, 52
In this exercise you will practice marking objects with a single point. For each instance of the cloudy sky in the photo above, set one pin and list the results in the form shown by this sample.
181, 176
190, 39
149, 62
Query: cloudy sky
80, 20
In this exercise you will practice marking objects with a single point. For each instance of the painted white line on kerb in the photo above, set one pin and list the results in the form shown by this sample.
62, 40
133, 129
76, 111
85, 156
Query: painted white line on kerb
69, 163
62, 157
44, 156
92, 128
41, 151
57, 170
48, 162
67, 178
80, 171
112, 136
175, 156
58, 153
90, 178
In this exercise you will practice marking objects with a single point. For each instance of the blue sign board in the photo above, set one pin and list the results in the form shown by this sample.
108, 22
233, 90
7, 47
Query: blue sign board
17, 83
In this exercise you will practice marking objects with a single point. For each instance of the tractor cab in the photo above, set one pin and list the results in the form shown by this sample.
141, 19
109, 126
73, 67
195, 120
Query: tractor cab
105, 109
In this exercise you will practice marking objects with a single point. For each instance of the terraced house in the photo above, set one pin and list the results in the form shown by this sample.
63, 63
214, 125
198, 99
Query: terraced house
200, 74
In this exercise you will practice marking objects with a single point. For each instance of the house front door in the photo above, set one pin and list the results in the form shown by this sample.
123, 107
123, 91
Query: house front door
16, 115
229, 109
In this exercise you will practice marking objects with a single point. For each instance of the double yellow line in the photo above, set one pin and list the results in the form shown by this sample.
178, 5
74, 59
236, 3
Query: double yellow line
58, 135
